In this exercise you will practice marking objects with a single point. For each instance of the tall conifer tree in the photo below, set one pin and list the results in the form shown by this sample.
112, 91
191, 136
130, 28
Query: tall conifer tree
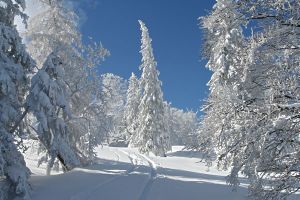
152, 129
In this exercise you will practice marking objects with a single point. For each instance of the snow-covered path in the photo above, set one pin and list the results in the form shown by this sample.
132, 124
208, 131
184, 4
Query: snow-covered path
124, 174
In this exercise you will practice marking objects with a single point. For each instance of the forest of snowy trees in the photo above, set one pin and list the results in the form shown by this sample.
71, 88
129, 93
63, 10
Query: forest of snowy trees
251, 120
53, 95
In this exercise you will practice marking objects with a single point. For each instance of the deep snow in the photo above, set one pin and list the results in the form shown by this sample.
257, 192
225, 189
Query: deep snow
124, 174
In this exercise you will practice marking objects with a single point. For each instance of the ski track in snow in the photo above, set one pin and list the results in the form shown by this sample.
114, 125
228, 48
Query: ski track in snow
133, 160
123, 173
152, 177
117, 155
152, 172
87, 194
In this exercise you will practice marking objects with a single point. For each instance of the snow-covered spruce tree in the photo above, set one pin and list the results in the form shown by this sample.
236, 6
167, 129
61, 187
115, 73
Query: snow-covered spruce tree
15, 66
129, 122
48, 102
168, 118
152, 129
168, 126
56, 28
261, 139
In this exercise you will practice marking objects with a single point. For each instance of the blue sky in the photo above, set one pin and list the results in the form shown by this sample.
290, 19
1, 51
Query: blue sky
176, 36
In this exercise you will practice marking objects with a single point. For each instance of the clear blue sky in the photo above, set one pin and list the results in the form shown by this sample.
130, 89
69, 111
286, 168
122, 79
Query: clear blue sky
176, 36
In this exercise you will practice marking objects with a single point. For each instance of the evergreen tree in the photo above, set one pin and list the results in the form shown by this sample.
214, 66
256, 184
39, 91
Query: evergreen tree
15, 67
151, 131
167, 126
131, 110
49, 104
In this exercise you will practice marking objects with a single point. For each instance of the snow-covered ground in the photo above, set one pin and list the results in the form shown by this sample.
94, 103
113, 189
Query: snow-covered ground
124, 174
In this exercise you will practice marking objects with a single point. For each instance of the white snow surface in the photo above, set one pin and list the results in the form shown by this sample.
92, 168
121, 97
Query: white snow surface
125, 174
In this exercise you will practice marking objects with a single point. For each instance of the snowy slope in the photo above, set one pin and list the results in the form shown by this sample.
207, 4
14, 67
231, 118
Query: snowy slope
124, 174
